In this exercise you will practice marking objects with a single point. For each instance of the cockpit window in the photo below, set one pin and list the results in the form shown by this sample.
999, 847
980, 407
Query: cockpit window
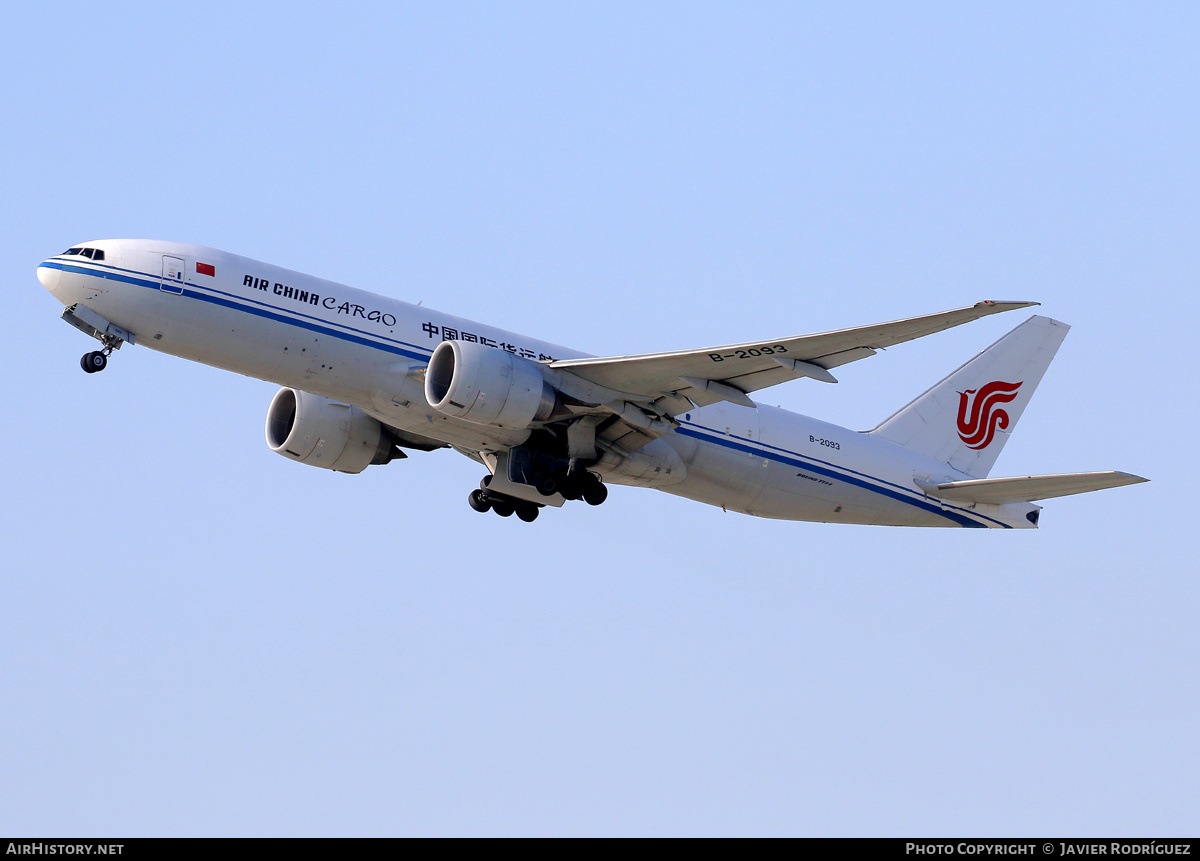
93, 253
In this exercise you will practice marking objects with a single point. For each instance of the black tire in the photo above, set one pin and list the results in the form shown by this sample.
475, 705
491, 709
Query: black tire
478, 500
94, 362
503, 508
571, 489
545, 483
595, 493
528, 513
484, 482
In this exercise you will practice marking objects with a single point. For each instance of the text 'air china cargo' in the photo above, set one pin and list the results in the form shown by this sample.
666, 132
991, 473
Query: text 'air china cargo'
365, 376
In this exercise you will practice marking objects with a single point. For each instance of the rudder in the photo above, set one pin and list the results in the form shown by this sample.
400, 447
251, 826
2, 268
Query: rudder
965, 420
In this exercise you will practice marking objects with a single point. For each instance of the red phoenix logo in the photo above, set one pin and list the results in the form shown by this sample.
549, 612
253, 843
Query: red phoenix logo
978, 427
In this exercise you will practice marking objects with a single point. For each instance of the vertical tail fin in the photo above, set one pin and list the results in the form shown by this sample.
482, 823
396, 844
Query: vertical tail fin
966, 419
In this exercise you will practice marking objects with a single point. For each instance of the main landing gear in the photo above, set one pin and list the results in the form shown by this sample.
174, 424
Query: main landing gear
484, 500
571, 483
575, 485
95, 361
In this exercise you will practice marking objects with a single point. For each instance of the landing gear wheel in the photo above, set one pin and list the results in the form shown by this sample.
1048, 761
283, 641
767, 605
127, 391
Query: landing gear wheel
484, 482
93, 362
503, 508
528, 513
478, 500
545, 483
571, 489
595, 493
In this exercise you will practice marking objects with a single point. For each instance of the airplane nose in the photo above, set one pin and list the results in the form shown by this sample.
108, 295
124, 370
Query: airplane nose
49, 277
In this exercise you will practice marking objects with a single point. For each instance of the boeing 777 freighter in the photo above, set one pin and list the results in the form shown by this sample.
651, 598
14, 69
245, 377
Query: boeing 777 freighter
365, 376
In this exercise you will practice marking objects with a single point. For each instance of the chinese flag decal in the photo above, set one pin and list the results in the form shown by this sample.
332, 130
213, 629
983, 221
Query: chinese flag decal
206, 269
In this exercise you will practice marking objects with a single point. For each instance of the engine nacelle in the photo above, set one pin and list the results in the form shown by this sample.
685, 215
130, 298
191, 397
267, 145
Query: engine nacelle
320, 432
487, 386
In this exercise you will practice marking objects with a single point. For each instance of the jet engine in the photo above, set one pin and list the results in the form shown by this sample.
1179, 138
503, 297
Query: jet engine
324, 433
487, 386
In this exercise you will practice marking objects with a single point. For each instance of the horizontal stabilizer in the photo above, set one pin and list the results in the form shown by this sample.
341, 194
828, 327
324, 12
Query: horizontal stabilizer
1027, 488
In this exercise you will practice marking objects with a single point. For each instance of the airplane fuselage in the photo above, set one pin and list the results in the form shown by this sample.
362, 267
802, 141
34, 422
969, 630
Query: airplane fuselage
370, 351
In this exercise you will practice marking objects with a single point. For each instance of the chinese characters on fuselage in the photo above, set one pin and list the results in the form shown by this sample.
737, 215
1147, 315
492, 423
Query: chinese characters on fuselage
446, 333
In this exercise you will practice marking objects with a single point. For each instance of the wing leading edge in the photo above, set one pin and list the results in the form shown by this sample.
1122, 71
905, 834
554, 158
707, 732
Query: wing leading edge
712, 374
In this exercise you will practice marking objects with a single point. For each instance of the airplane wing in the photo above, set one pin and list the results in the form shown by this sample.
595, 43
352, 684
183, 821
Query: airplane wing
1027, 488
728, 373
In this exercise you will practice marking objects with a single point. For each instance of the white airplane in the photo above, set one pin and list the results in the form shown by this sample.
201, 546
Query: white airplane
365, 375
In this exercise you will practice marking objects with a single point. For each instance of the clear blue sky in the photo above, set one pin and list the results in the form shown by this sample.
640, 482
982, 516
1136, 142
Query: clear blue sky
200, 637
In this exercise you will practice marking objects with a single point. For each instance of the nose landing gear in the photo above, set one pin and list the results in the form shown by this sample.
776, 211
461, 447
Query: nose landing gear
109, 334
95, 361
